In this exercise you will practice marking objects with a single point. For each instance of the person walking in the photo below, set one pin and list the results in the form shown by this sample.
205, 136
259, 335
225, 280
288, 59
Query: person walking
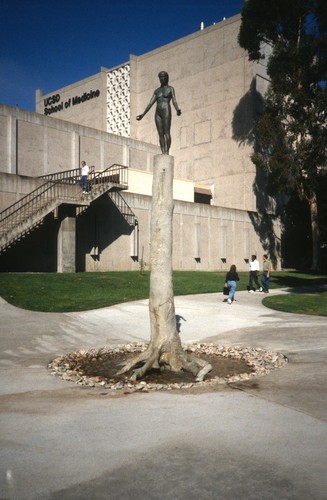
254, 269
231, 278
84, 182
266, 273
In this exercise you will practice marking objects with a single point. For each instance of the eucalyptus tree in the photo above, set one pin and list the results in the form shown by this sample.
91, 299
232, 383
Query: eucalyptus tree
291, 132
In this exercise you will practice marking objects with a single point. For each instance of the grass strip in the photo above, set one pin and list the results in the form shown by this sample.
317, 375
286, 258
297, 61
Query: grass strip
300, 303
67, 292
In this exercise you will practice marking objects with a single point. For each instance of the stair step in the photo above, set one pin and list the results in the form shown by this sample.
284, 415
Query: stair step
52, 196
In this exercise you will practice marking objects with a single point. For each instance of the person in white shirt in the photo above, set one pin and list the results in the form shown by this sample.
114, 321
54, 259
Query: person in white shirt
254, 269
84, 183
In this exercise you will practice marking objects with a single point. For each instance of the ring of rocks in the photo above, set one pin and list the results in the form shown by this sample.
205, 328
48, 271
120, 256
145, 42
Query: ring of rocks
71, 367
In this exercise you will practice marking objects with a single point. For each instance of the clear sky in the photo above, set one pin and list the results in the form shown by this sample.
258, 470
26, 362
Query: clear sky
48, 44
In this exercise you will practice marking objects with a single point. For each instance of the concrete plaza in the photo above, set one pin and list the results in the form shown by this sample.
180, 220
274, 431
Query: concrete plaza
265, 438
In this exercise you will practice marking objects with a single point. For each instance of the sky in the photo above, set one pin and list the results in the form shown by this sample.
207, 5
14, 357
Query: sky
48, 44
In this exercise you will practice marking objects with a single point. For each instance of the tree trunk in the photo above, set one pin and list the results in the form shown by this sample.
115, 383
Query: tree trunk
315, 264
165, 349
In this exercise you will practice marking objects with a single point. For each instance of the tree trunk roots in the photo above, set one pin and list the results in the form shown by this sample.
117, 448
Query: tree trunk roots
166, 358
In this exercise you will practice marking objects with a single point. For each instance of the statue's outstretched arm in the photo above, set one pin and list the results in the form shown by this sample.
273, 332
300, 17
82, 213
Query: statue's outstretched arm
149, 106
173, 96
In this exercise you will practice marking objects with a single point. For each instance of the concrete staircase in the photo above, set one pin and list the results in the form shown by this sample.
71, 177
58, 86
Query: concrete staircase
28, 213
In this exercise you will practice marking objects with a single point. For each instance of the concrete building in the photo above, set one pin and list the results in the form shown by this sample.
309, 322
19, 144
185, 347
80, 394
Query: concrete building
221, 214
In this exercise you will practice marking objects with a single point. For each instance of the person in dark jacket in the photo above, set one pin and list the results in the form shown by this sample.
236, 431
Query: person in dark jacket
231, 278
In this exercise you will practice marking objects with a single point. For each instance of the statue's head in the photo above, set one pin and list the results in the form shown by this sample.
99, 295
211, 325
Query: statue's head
163, 77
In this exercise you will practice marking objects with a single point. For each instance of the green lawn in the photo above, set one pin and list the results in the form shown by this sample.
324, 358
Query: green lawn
83, 291
300, 303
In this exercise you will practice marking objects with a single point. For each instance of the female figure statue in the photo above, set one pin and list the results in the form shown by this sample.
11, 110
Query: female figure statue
162, 96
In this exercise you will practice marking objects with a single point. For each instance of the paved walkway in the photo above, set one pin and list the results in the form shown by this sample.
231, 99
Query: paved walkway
261, 439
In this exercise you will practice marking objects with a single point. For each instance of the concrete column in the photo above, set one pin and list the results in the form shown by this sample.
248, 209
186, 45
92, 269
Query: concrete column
12, 144
75, 150
66, 240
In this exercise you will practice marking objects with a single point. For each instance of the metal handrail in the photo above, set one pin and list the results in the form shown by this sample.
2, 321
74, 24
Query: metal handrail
62, 188
33, 202
70, 176
115, 174
123, 207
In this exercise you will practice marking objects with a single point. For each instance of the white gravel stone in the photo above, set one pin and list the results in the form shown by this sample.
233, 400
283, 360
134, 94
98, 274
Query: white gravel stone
261, 361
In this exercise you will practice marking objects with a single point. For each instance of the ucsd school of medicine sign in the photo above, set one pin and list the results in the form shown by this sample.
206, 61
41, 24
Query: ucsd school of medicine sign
53, 104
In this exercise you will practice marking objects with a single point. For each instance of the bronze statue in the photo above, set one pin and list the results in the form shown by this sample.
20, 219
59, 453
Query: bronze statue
163, 95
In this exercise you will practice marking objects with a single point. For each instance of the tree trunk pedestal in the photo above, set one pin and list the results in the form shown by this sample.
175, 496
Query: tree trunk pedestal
165, 349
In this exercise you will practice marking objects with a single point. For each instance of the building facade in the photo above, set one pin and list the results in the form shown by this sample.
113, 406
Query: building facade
221, 214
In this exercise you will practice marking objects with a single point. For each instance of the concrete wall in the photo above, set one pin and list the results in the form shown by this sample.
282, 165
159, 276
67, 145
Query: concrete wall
141, 182
215, 89
203, 234
83, 102
33, 145
204, 238
14, 187
218, 91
